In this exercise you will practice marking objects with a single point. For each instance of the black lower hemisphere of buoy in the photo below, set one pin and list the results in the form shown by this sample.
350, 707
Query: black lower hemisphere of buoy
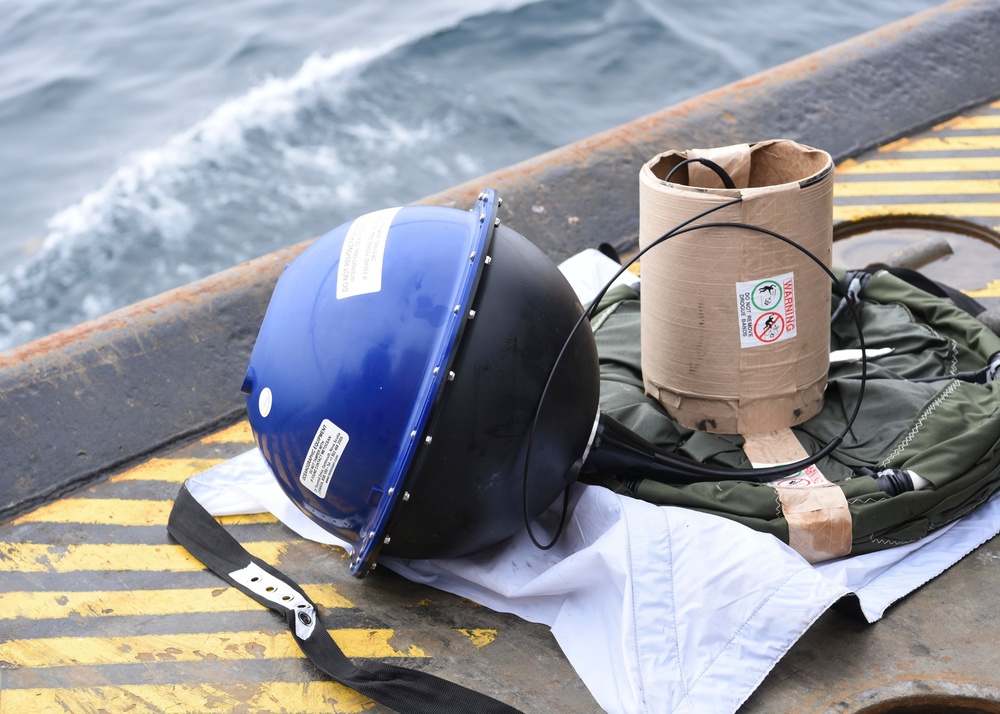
465, 488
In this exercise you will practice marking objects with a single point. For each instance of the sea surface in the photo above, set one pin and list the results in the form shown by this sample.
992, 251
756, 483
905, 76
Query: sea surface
150, 143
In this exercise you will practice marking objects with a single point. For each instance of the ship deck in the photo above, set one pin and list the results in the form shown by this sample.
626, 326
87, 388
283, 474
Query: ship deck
101, 611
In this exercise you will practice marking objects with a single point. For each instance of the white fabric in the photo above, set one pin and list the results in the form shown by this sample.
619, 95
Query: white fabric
659, 609
245, 484
589, 271
880, 579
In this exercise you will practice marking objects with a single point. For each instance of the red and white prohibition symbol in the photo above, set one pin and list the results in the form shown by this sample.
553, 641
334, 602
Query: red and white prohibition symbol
769, 327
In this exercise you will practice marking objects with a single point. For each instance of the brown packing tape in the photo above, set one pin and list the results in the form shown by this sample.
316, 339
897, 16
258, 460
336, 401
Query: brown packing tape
819, 521
818, 517
694, 359
773, 447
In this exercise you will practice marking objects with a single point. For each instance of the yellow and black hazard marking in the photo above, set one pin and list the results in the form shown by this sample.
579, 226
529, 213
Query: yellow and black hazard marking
101, 612
949, 172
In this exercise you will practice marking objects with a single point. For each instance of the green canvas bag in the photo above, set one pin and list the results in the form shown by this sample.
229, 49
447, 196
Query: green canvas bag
947, 431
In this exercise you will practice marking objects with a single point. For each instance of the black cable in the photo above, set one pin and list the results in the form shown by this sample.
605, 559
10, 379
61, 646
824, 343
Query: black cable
538, 410
763, 474
771, 472
698, 470
727, 181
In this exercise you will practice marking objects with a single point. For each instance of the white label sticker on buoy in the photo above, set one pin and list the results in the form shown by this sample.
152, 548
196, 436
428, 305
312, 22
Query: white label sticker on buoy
264, 402
360, 268
324, 454
767, 310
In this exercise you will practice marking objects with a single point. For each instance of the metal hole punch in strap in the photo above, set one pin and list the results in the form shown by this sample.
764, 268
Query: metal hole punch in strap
399, 688
275, 590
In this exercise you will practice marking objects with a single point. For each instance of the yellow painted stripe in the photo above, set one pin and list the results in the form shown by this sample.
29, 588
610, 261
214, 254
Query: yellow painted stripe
237, 433
908, 166
54, 605
303, 697
43, 558
990, 291
853, 213
480, 638
172, 470
983, 121
845, 189
120, 512
943, 143
41, 652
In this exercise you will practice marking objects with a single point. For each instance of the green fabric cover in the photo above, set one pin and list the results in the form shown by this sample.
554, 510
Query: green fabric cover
947, 431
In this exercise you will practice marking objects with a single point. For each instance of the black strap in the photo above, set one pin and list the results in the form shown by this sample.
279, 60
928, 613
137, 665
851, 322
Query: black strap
857, 281
919, 280
404, 690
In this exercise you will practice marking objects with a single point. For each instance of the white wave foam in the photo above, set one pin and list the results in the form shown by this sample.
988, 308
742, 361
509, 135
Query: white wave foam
269, 106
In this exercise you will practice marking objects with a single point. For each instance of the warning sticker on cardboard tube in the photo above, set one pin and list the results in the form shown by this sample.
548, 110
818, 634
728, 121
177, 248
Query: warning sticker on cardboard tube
360, 268
809, 476
324, 454
766, 309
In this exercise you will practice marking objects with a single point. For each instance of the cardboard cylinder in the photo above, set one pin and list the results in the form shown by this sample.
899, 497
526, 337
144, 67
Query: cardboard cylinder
736, 323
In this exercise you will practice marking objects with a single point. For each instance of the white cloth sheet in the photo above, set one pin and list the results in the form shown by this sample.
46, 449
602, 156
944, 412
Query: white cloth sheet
589, 271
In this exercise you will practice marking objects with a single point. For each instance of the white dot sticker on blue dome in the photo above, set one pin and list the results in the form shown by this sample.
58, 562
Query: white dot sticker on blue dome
264, 401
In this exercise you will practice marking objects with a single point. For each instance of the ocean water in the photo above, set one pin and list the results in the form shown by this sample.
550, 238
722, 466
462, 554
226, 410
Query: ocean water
147, 144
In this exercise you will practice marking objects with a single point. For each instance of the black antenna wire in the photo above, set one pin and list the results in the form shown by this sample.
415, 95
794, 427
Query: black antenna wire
587, 314
682, 470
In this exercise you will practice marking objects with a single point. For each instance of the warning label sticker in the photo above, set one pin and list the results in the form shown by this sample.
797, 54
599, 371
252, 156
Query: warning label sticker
809, 476
766, 310
360, 269
324, 454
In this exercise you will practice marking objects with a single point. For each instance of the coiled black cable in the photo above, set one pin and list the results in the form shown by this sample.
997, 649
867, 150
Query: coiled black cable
683, 470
